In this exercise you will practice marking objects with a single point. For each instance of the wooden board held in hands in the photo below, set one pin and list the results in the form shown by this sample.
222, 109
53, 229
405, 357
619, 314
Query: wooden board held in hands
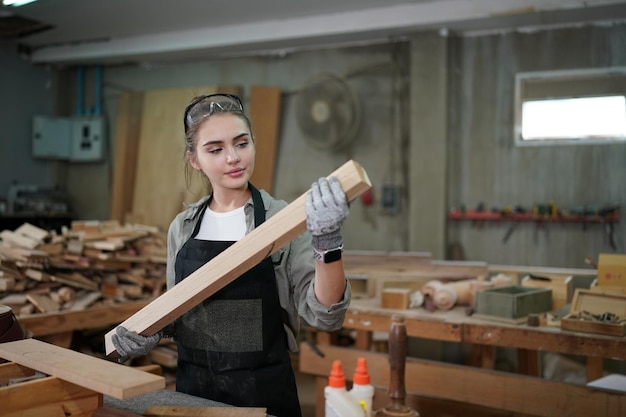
99, 375
244, 254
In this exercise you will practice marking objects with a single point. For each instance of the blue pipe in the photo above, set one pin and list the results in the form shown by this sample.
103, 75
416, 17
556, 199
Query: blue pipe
98, 94
80, 80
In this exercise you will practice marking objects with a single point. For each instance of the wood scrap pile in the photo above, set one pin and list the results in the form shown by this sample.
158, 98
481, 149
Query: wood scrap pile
89, 264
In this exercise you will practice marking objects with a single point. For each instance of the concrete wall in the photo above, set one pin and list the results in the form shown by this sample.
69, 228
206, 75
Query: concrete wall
25, 90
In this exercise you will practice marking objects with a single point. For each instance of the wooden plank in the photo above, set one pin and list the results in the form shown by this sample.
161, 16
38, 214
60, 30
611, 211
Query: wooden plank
264, 113
127, 134
433, 326
53, 323
10, 370
99, 375
32, 232
188, 411
49, 396
43, 302
487, 388
266, 239
355, 258
544, 339
160, 193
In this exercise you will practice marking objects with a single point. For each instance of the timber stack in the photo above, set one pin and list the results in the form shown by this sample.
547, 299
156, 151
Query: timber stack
92, 263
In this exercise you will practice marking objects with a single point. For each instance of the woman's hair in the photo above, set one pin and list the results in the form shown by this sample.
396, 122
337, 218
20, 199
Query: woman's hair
198, 111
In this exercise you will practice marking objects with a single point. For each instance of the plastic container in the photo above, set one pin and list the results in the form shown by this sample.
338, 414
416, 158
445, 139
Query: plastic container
338, 401
362, 391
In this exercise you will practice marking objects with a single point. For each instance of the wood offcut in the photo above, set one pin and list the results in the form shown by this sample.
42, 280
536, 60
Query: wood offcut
106, 377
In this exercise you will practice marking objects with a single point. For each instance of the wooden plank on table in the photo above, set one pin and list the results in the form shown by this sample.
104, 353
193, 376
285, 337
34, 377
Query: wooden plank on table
356, 258
127, 134
65, 321
50, 397
265, 107
160, 188
498, 390
367, 315
10, 370
266, 239
99, 375
188, 411
531, 338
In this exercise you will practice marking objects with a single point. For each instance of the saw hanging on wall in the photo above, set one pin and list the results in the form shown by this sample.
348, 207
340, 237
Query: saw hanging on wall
328, 112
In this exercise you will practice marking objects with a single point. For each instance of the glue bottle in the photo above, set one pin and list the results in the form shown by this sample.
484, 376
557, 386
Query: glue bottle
362, 390
338, 402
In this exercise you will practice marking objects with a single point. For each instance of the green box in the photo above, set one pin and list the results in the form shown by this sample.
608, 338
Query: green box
512, 303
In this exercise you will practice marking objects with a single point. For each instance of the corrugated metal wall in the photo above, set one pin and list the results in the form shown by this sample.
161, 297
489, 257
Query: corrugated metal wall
484, 165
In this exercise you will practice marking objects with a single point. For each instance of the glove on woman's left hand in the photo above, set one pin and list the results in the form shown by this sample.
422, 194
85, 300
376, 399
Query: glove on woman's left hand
326, 209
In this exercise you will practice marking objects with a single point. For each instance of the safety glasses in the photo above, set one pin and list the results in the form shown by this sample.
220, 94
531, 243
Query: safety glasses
204, 106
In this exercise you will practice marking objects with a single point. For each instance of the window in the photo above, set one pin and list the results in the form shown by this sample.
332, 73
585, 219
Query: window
570, 107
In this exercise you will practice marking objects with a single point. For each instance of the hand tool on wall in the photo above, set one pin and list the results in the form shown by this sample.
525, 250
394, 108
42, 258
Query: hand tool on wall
397, 361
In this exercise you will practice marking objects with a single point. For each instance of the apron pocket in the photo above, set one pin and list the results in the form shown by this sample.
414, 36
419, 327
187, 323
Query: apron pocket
223, 326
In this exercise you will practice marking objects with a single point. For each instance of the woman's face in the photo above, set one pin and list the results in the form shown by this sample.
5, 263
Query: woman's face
224, 151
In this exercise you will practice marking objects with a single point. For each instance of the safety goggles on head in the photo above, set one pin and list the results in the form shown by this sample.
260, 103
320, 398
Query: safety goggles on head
204, 106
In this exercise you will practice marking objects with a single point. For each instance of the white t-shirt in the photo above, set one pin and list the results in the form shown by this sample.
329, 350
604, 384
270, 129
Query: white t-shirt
229, 226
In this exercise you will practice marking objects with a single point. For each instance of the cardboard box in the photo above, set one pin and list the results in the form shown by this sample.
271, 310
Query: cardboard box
611, 270
513, 303
595, 302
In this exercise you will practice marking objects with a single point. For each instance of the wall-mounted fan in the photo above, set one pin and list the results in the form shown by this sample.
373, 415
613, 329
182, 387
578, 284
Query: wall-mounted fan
328, 112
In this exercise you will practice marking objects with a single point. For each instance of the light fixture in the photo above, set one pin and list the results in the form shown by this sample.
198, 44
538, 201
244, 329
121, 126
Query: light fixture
16, 3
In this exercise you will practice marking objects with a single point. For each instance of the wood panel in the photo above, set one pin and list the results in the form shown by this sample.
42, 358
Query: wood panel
99, 375
127, 134
237, 259
487, 388
54, 323
160, 187
545, 339
265, 107
50, 397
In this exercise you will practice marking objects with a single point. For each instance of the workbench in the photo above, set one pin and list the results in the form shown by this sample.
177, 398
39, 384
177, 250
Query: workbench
476, 388
58, 327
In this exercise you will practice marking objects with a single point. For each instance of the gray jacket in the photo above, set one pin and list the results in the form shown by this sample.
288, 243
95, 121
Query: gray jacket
293, 264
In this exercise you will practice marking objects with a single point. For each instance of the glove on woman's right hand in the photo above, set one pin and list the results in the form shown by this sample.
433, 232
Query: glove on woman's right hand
129, 344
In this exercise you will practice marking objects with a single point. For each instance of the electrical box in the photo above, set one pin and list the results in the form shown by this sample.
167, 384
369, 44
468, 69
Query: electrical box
52, 137
87, 139
74, 139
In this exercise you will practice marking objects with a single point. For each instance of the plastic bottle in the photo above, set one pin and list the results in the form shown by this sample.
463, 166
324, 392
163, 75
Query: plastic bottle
362, 390
338, 402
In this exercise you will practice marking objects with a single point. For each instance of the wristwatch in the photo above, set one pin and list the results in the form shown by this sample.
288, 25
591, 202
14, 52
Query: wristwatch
328, 256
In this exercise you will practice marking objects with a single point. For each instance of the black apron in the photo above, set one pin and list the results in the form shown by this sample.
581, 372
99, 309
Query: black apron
232, 347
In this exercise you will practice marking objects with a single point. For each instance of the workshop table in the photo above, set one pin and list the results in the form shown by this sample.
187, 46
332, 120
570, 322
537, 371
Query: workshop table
477, 384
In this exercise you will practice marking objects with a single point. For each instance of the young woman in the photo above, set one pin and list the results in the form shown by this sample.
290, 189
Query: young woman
234, 346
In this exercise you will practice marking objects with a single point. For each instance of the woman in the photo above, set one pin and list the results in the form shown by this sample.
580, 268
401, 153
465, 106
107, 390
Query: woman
234, 346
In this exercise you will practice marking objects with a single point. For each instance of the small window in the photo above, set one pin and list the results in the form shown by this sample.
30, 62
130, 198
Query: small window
571, 107
592, 118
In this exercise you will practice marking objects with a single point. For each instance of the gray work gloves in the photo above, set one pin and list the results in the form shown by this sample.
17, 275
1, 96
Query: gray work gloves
129, 344
326, 209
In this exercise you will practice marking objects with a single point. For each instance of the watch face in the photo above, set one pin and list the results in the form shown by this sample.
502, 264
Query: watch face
332, 256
